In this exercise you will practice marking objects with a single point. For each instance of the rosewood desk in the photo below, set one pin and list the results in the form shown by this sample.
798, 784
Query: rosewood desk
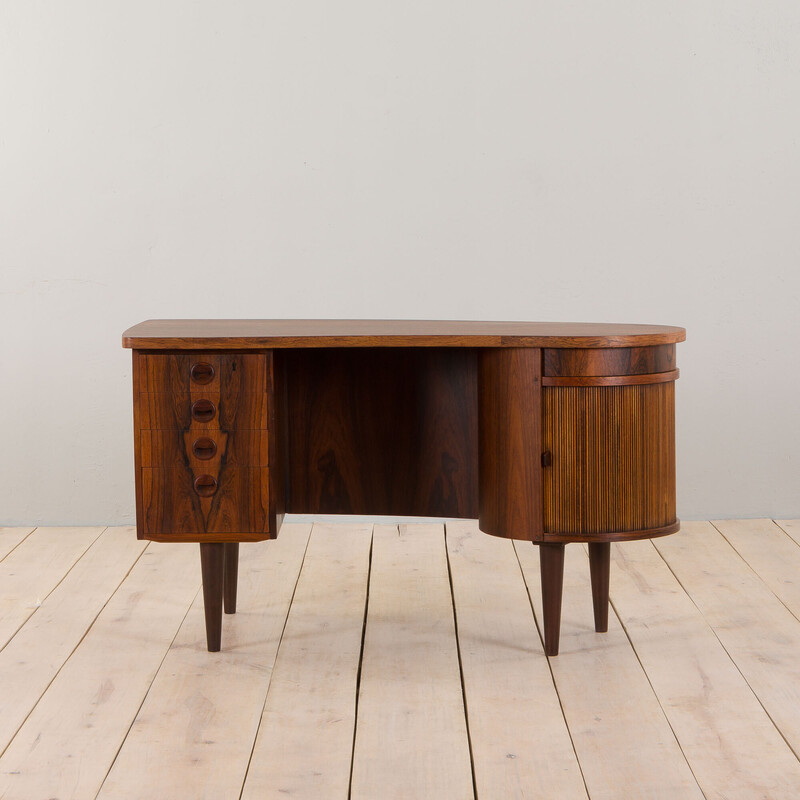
547, 432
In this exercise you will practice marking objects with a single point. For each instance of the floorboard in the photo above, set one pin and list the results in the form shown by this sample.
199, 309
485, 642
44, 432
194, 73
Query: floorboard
400, 662
620, 732
772, 554
33, 569
791, 527
411, 734
305, 740
34, 656
196, 728
760, 635
69, 741
10, 538
520, 742
729, 741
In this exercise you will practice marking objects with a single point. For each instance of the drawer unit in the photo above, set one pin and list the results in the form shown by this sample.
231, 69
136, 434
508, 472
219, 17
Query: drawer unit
203, 440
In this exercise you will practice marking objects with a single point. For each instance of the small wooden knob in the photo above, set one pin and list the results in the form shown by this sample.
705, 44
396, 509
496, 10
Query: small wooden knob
205, 485
202, 372
203, 410
204, 448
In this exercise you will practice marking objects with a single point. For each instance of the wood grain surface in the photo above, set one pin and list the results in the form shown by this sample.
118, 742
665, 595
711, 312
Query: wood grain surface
175, 448
107, 690
214, 334
510, 449
609, 361
237, 510
613, 459
172, 372
383, 432
202, 447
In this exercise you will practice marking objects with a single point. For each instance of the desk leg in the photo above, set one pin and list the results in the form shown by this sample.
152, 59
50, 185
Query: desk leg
212, 563
599, 567
551, 561
231, 576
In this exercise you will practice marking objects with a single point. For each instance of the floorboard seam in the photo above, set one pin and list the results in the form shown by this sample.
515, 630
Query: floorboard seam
147, 693
54, 587
460, 666
655, 694
360, 663
727, 653
31, 531
275, 660
753, 569
72, 652
550, 666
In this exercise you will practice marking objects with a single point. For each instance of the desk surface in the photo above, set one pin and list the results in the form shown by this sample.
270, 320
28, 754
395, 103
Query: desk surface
193, 334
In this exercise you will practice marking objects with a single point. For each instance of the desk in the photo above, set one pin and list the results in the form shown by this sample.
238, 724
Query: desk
545, 432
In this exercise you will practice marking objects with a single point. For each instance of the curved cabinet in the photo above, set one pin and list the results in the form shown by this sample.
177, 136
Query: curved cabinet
610, 471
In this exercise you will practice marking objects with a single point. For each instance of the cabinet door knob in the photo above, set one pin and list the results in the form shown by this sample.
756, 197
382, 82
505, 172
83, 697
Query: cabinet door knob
205, 485
203, 410
202, 372
204, 448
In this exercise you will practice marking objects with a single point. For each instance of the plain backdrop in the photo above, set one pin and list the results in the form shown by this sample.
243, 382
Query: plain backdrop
515, 160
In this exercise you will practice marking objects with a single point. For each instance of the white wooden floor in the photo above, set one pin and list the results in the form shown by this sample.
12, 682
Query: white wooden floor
378, 663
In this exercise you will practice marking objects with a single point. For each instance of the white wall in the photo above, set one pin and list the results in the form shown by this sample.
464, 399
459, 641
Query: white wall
513, 159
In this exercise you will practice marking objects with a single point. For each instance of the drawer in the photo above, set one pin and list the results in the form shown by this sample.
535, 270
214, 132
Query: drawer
609, 361
204, 450
182, 503
202, 410
180, 373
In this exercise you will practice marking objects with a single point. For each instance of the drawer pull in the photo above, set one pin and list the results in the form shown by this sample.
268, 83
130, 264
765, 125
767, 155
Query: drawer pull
202, 372
205, 485
203, 410
204, 448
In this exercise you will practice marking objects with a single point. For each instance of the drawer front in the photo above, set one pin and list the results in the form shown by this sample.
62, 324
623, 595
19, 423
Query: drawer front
579, 362
180, 373
204, 451
203, 411
180, 503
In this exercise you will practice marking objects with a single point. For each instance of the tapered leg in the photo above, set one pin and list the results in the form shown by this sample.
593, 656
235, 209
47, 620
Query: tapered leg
231, 576
599, 566
212, 563
551, 559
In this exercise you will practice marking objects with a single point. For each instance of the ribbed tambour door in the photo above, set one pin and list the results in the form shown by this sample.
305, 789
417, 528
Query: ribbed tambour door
612, 458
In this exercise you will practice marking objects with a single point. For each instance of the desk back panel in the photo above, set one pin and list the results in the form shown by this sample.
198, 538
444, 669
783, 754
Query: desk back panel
382, 431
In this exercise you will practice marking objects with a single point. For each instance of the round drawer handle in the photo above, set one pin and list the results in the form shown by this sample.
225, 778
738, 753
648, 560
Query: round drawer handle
205, 485
203, 410
202, 372
204, 448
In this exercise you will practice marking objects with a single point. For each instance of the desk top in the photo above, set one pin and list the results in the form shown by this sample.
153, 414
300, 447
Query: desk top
220, 334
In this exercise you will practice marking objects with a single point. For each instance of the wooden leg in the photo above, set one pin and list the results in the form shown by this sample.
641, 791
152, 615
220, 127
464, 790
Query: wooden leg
231, 576
551, 559
212, 563
599, 566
